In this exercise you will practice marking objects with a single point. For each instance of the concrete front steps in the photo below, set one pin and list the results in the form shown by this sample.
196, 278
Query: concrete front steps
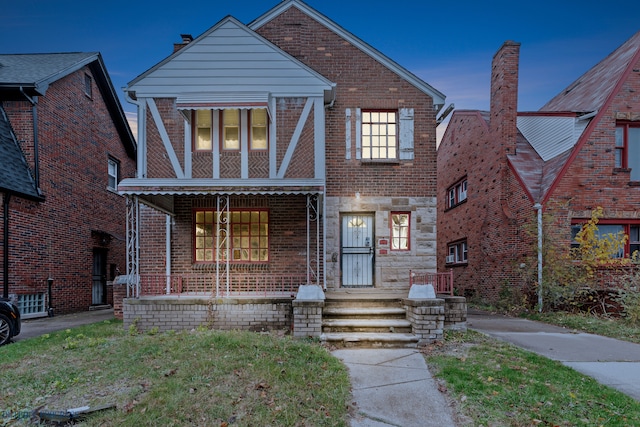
364, 319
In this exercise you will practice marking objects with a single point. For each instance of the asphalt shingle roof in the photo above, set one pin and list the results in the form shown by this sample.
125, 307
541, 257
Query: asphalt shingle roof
39, 70
15, 176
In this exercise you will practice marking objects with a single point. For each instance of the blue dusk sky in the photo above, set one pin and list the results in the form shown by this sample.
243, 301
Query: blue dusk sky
447, 44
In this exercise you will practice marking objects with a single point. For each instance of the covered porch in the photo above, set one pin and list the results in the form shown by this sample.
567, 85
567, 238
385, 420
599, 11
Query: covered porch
224, 244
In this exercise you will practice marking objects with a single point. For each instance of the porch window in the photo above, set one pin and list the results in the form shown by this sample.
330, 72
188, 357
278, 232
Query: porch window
457, 253
244, 232
400, 231
379, 135
628, 148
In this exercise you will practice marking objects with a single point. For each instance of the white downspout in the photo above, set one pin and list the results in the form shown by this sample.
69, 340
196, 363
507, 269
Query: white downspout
538, 207
168, 252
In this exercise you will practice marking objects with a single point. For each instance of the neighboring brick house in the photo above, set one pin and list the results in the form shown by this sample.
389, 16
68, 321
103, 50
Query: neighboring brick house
316, 152
64, 144
581, 150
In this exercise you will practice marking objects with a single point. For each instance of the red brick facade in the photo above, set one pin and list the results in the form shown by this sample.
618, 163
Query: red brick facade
351, 185
56, 238
362, 82
481, 146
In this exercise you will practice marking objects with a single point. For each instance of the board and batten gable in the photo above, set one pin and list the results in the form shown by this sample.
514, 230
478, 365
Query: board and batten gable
230, 58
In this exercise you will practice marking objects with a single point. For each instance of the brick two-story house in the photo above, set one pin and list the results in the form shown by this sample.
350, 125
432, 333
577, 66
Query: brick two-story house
279, 153
64, 144
497, 170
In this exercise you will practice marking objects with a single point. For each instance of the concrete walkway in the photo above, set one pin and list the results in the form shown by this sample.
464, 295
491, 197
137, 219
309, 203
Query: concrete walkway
393, 387
611, 362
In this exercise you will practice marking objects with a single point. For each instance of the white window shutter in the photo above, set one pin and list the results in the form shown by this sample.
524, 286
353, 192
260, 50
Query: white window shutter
347, 133
406, 134
358, 133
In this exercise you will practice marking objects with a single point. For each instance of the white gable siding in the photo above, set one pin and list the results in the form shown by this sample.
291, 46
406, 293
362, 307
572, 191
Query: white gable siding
230, 58
551, 136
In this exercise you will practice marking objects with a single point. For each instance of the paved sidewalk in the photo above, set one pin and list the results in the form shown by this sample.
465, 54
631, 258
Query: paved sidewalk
393, 387
611, 362
44, 325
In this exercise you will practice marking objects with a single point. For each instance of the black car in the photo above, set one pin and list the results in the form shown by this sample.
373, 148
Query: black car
9, 320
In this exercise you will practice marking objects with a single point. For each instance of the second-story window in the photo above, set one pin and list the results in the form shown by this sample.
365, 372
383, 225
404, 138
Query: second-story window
628, 148
203, 130
457, 193
88, 86
113, 167
231, 129
231, 124
258, 129
379, 135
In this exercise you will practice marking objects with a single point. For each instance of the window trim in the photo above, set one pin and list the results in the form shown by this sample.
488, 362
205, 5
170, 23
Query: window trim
230, 237
392, 237
455, 193
460, 252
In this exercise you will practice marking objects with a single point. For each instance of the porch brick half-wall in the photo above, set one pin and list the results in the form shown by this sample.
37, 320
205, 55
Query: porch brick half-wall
455, 313
222, 314
426, 317
307, 318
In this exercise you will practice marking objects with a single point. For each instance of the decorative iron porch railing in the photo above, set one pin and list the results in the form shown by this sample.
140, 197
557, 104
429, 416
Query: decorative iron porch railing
442, 282
258, 285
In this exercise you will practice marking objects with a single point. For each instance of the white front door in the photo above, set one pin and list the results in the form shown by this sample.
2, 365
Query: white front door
357, 250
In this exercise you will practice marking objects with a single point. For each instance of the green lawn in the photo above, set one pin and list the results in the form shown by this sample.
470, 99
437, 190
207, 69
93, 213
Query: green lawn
496, 384
188, 378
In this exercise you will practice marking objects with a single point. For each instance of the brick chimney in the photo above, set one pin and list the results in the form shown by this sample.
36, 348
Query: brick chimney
504, 95
186, 39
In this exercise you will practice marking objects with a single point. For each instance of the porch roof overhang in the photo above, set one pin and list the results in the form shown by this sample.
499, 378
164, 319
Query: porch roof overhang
222, 101
160, 193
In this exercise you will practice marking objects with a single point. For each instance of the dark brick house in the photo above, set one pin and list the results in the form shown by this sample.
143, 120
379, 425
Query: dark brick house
64, 145
279, 153
497, 168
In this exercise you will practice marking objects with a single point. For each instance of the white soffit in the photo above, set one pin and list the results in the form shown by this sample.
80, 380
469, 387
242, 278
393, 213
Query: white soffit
551, 136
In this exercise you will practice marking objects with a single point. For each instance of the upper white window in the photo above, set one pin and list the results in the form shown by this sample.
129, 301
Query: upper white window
113, 167
379, 135
230, 124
